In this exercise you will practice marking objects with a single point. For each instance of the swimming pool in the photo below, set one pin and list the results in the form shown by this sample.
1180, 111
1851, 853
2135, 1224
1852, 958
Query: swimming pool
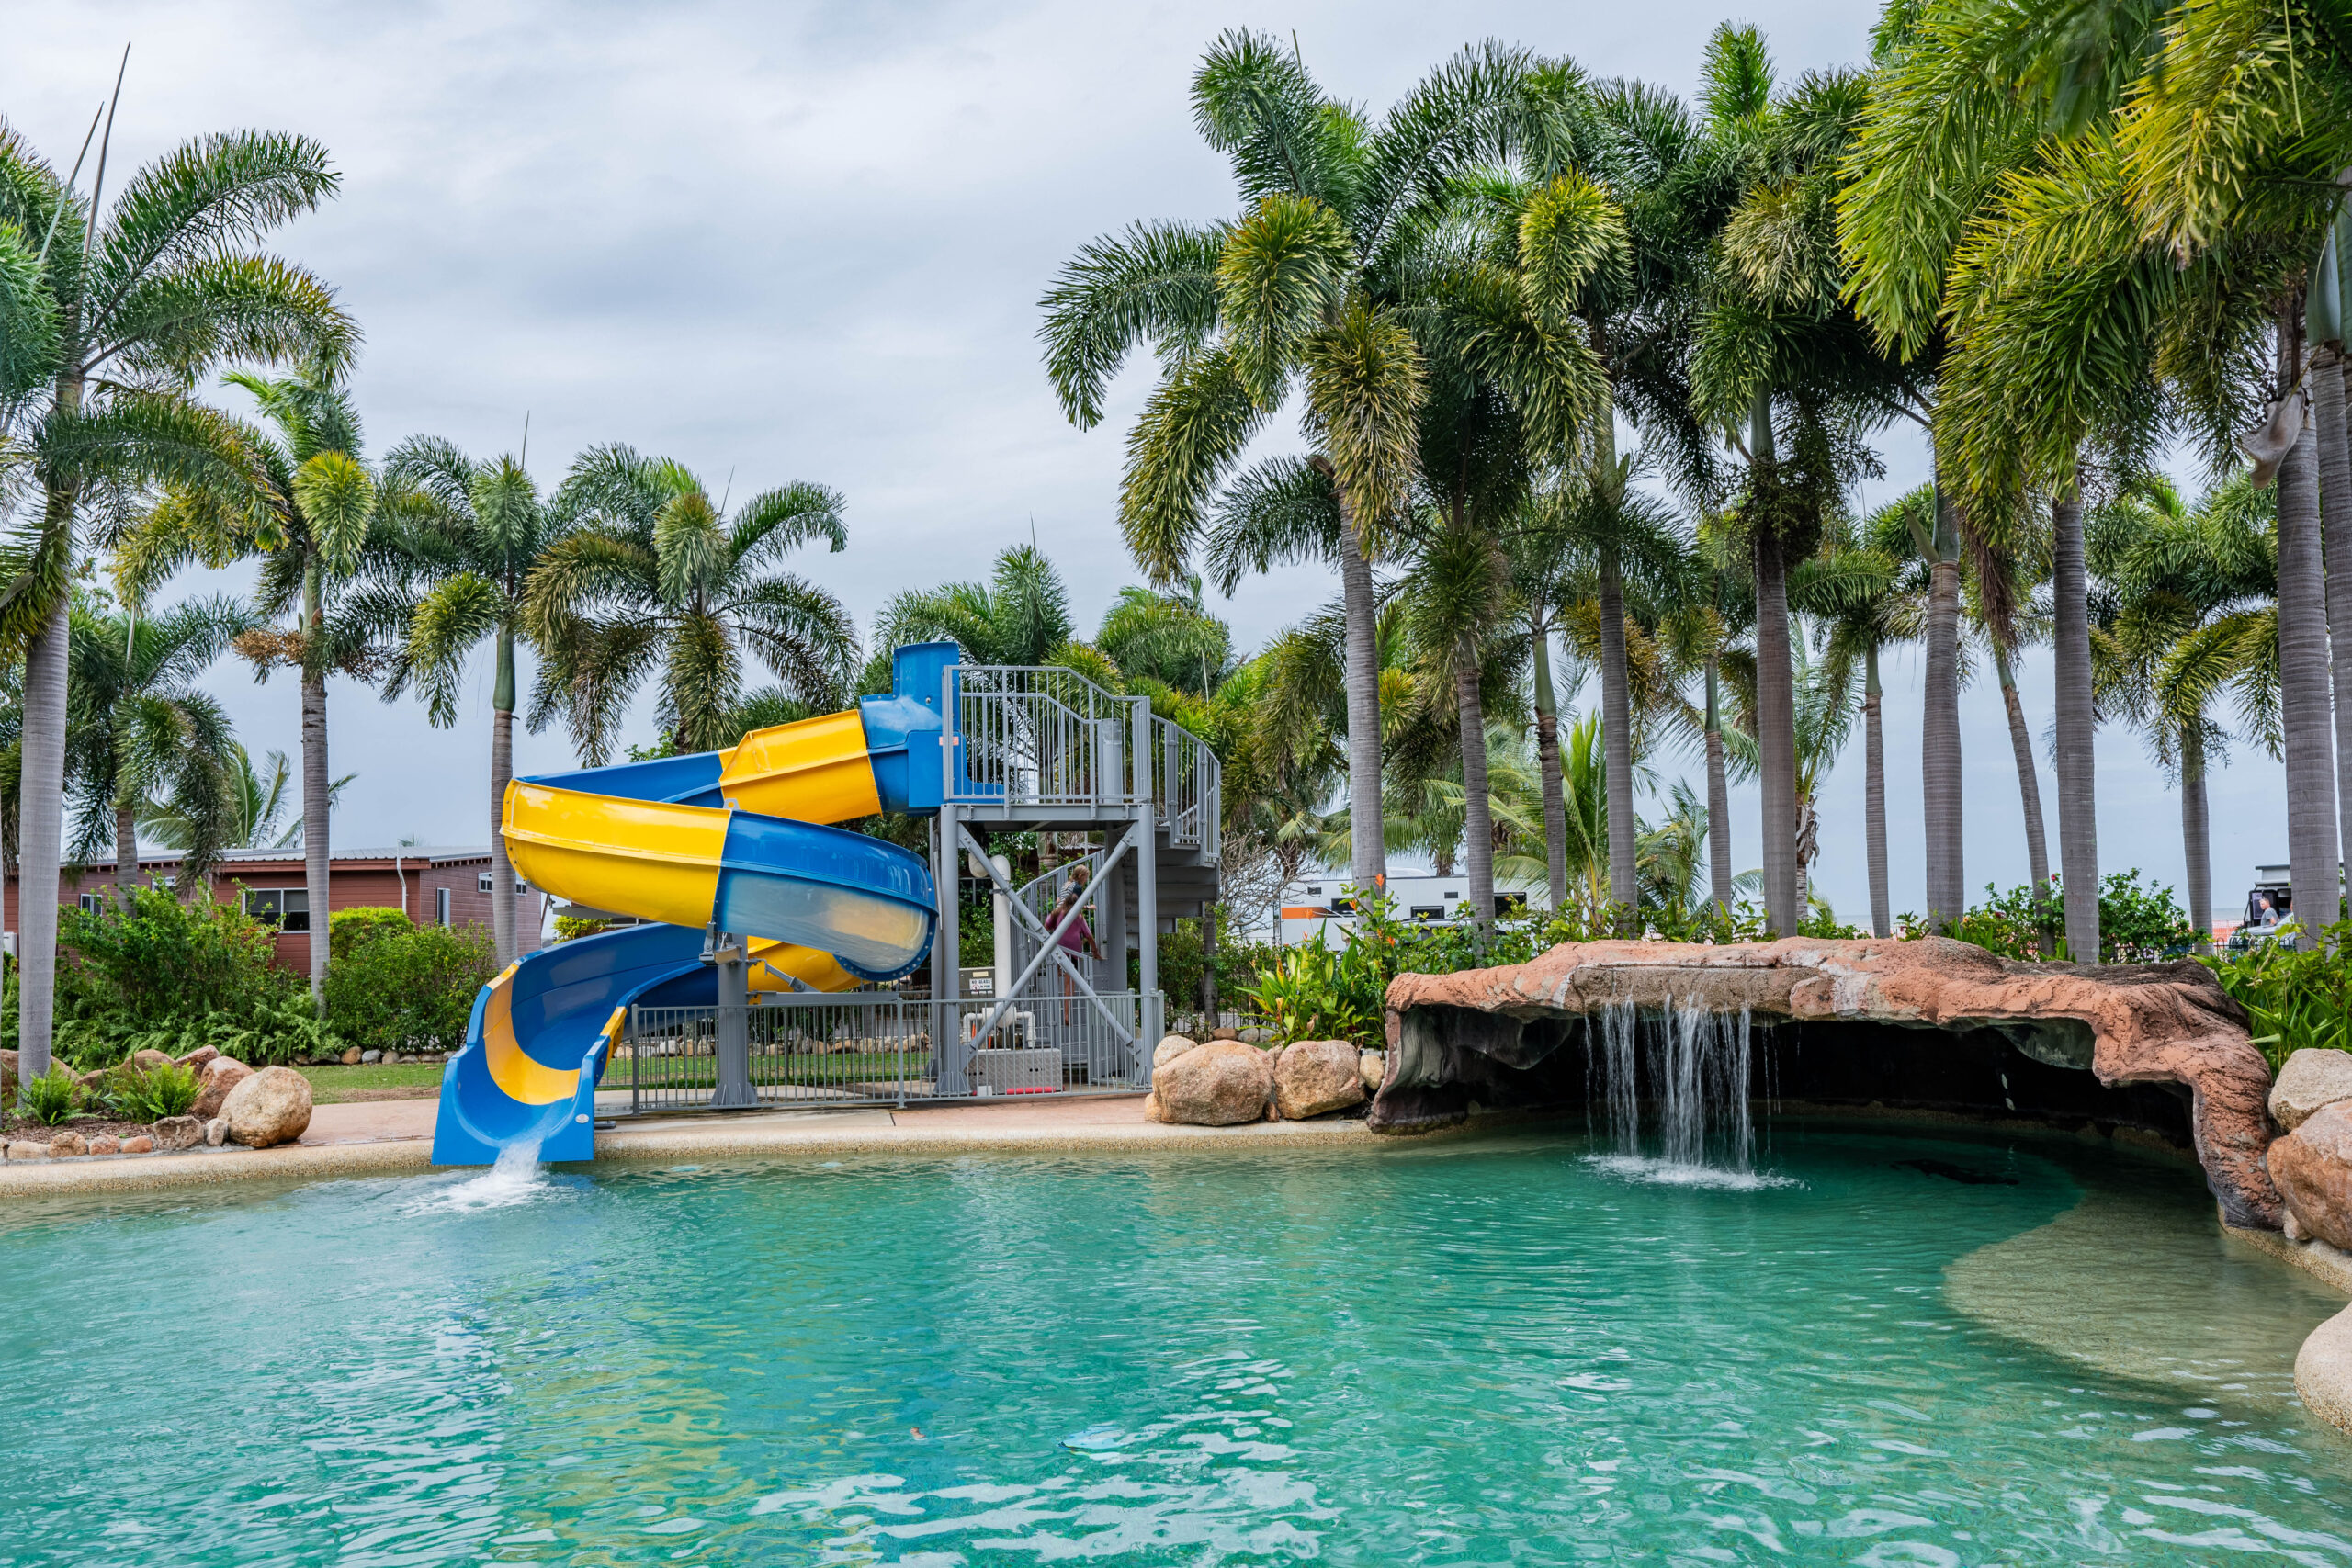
1918, 1349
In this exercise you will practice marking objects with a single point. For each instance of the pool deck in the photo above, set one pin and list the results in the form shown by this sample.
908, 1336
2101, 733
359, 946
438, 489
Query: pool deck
395, 1137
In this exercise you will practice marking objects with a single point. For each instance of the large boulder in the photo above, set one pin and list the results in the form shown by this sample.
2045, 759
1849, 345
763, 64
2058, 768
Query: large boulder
2311, 1082
1934, 1024
1216, 1085
222, 1075
271, 1107
147, 1061
1315, 1078
1170, 1048
2312, 1166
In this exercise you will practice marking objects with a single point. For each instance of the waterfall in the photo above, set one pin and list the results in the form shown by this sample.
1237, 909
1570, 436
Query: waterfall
1693, 1066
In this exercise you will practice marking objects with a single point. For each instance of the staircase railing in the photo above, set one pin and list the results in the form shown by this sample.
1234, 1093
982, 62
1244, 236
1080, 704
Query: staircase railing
1043, 735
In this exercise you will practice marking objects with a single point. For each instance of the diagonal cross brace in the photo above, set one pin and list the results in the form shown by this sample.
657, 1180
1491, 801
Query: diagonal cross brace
1051, 941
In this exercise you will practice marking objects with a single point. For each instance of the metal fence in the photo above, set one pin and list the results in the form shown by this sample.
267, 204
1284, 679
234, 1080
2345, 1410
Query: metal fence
877, 1048
1040, 736
1186, 798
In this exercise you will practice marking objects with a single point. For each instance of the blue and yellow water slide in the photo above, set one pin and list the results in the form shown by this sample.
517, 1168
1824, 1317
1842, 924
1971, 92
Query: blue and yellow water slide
734, 841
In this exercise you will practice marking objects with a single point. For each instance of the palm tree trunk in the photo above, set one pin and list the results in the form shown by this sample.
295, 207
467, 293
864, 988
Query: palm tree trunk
1368, 851
1478, 805
1776, 736
502, 773
126, 851
2327, 381
315, 780
1718, 793
2197, 838
1939, 792
2303, 694
1874, 794
1617, 744
40, 835
2078, 725
1547, 758
2037, 845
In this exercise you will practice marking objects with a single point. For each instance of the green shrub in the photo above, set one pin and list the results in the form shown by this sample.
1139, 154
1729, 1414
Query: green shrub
52, 1098
570, 926
410, 991
348, 929
2137, 923
153, 1093
2298, 1000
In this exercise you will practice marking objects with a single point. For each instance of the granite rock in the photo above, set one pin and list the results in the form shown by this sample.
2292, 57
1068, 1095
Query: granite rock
1315, 1078
1216, 1085
68, 1146
178, 1132
138, 1143
1169, 1049
2312, 1166
272, 1107
216, 1131
221, 1077
2311, 1080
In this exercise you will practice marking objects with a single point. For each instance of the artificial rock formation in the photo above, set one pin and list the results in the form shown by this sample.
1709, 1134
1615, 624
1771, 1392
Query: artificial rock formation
271, 1107
1931, 1023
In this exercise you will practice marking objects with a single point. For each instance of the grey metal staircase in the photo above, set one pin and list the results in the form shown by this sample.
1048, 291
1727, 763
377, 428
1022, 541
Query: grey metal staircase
1042, 748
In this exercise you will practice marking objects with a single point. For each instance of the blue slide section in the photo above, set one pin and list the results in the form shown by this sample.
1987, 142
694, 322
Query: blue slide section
542, 1033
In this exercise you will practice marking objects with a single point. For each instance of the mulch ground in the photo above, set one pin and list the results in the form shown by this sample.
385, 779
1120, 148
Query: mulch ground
31, 1130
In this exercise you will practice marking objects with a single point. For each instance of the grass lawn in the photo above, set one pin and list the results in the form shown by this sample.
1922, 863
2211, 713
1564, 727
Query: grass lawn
398, 1080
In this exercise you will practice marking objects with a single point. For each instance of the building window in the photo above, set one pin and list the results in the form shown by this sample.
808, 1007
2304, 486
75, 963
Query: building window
485, 881
93, 902
440, 906
288, 908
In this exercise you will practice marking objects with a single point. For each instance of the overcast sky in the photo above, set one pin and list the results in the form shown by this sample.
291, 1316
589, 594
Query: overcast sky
786, 241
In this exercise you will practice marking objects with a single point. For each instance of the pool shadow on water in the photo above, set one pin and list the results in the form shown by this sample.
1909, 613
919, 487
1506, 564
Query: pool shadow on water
2138, 1281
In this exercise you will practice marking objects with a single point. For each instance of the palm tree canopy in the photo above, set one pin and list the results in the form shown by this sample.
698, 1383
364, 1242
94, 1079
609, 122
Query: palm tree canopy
650, 575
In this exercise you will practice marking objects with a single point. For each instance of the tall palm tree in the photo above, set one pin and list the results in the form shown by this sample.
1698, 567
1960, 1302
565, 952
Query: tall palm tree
1864, 600
1305, 289
1780, 358
2187, 611
476, 533
651, 574
1167, 637
139, 728
134, 305
309, 517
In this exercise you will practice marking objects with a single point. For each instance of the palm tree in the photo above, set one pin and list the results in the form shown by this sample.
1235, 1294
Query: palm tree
477, 533
652, 573
1168, 637
309, 516
2187, 611
1864, 600
1020, 615
129, 308
255, 816
1305, 288
1781, 358
137, 728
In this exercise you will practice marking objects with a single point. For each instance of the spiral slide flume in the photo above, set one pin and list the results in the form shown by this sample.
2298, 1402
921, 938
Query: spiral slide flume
736, 840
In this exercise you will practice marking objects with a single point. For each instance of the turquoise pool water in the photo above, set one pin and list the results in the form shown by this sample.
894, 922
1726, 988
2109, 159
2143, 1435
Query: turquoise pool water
1462, 1352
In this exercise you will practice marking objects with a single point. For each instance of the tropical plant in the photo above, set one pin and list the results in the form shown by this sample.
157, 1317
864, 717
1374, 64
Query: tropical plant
111, 317
139, 731
1168, 637
1307, 289
1020, 615
255, 815
476, 533
309, 518
409, 990
2185, 612
52, 1097
653, 574
2299, 999
152, 1093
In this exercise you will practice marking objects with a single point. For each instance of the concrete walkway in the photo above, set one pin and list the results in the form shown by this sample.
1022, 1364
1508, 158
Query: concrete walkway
395, 1137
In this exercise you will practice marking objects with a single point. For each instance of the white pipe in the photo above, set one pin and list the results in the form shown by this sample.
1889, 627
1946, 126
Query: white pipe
402, 877
1002, 909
